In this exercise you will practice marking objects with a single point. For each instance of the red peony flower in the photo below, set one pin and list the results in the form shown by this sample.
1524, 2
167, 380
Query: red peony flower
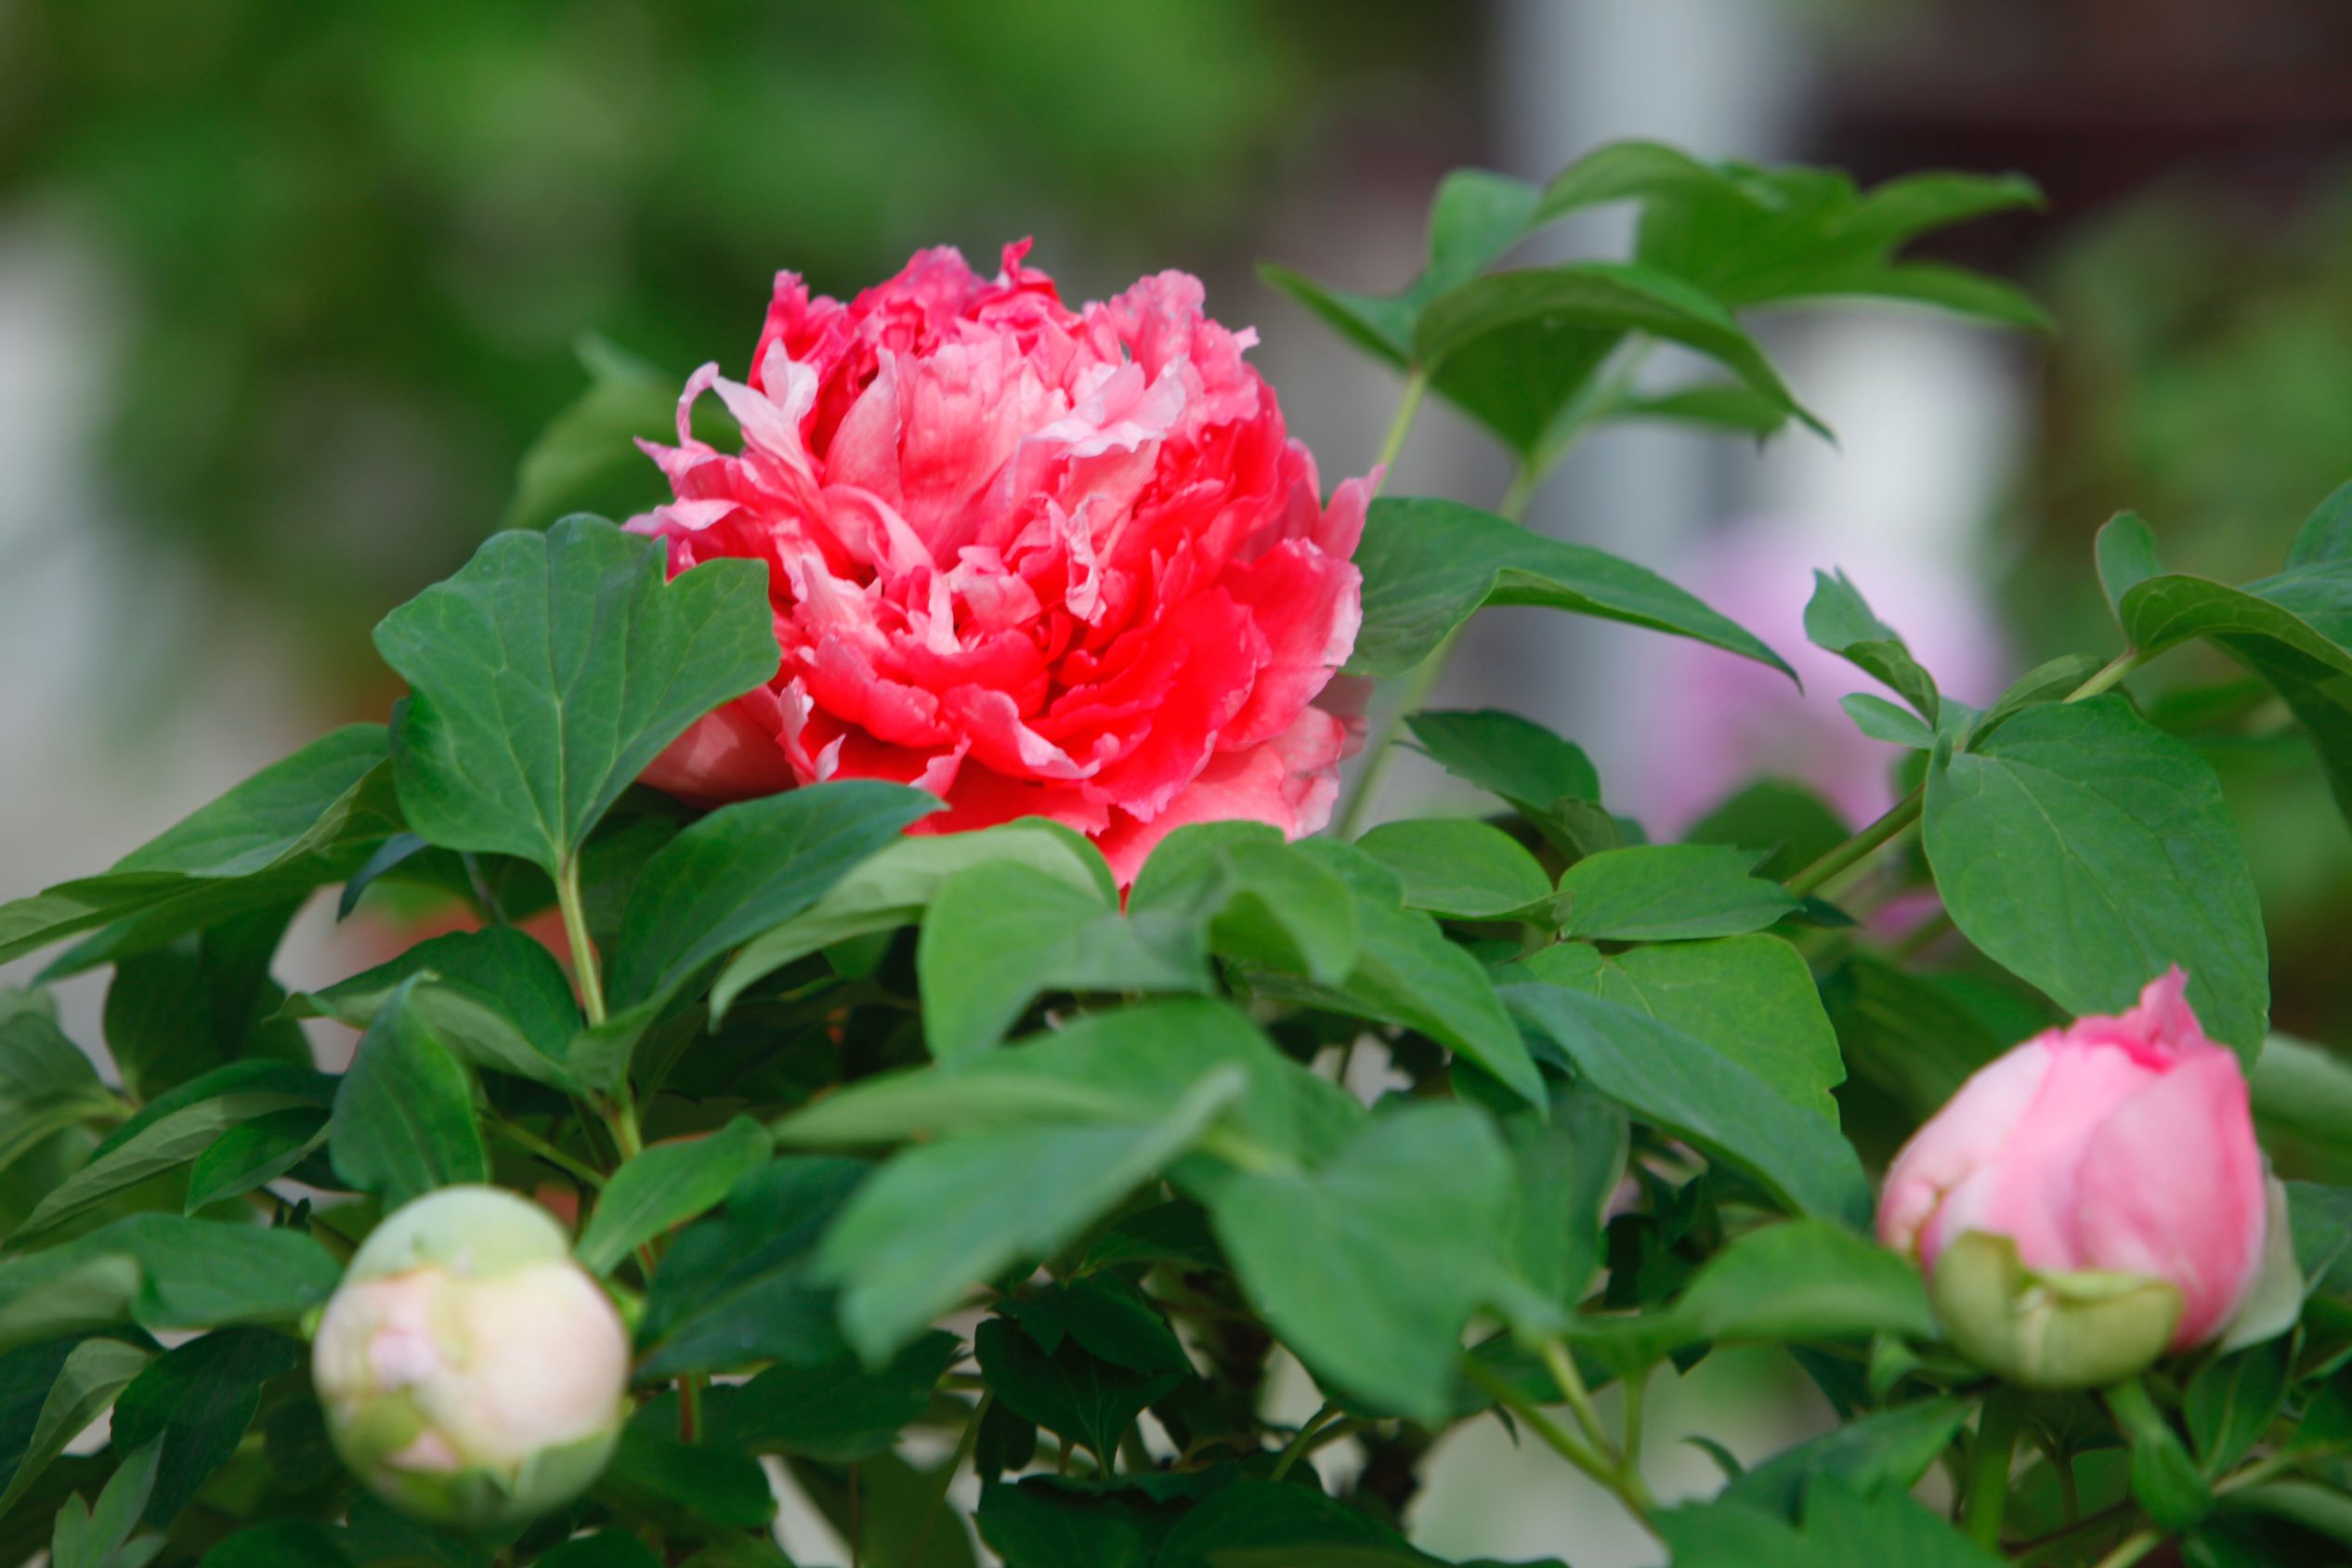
1038, 561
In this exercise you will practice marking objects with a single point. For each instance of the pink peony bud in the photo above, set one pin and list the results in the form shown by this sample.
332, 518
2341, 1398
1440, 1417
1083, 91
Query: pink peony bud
2118, 1146
471, 1373
1039, 560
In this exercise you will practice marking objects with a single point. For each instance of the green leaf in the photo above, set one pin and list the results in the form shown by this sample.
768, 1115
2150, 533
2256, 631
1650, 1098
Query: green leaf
175, 1129
1668, 893
1674, 1081
744, 869
1407, 974
1040, 1523
1111, 1319
1787, 825
1368, 1268
296, 825
85, 1382
1000, 934
1515, 348
89, 1537
2126, 554
1565, 1169
1459, 869
1265, 1525
1839, 619
894, 886
300, 1543
667, 1186
1259, 900
495, 995
549, 672
162, 1270
1842, 1528
1881, 720
2085, 851
1531, 769
941, 1217
1889, 1451
197, 1401
177, 1011
2326, 535
1066, 1389
1717, 406
1750, 998
252, 1154
1804, 1280
2231, 1402
2163, 1479
404, 1121
1428, 565
740, 1286
891, 1503
605, 1549
701, 1486
837, 1411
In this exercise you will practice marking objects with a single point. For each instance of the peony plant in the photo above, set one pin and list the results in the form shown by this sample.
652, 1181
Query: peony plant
909, 974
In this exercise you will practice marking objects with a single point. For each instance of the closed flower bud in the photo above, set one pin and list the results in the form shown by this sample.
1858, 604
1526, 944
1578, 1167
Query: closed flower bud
2114, 1164
472, 1373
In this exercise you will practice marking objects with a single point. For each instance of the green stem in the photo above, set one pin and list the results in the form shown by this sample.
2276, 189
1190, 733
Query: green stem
2134, 1547
1303, 1439
1565, 1444
583, 951
1563, 1367
1990, 1458
1900, 815
2113, 671
1407, 407
1417, 685
532, 1143
690, 1407
1521, 493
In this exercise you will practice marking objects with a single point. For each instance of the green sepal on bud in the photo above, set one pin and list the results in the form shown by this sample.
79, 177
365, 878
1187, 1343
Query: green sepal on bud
472, 1373
2051, 1331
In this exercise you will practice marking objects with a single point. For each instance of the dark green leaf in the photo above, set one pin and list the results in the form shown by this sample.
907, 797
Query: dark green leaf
1272, 1522
292, 1542
1564, 1167
498, 998
706, 1486
1066, 1391
89, 1537
837, 1411
197, 1401
1459, 869
404, 1120
1527, 765
667, 1186
1787, 824
2126, 552
1428, 565
1321, 1254
740, 1287
162, 1270
1676, 1082
2085, 851
605, 1549
1885, 1453
1668, 893
53, 1391
940, 1218
252, 1154
549, 672
1040, 1523
1750, 998
1842, 1529
744, 869
1262, 901
294, 825
2232, 1401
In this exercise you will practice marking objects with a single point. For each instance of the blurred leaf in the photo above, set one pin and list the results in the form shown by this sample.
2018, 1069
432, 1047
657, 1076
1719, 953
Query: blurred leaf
1788, 825
2126, 555
1881, 720
1837, 618
2084, 852
1842, 1529
404, 1121
2232, 1400
1319, 1252
667, 1186
939, 1218
1039, 1522
1740, 410
550, 671
1887, 1453
1668, 893
741, 1287
1265, 1523
162, 1270
197, 1401
1751, 997
894, 886
837, 1411
1428, 565
88, 1537
2326, 534
294, 825
1111, 1319
703, 1486
1000, 934
1804, 1280
295, 1543
495, 995
173, 1130
586, 459
605, 1549
1676, 1082
58, 1390
1459, 869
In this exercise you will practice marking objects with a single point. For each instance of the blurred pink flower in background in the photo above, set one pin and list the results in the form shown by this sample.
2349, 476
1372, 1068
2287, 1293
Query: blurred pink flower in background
2121, 1144
1036, 560
1714, 724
